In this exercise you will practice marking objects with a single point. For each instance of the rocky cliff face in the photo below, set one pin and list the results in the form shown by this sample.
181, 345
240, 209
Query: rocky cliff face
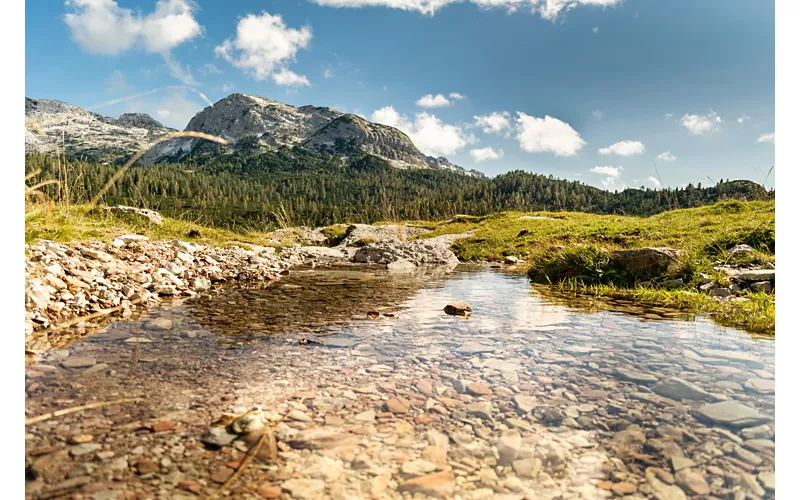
252, 124
52, 126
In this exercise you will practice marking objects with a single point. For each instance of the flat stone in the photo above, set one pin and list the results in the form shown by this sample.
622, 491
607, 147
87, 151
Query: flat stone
661, 490
364, 416
218, 436
146, 467
84, 449
79, 362
632, 376
397, 405
479, 389
508, 447
767, 480
321, 438
679, 389
732, 414
527, 467
417, 467
692, 482
623, 488
438, 484
749, 358
304, 488
158, 324
525, 404
760, 385
679, 463
475, 348
481, 409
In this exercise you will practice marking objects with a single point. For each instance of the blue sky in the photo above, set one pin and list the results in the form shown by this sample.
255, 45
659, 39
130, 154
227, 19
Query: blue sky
591, 90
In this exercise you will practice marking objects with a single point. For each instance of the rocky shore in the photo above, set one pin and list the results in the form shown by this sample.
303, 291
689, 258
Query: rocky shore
70, 285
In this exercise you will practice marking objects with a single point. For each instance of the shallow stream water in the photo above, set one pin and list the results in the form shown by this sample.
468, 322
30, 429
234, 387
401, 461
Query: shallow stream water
530, 397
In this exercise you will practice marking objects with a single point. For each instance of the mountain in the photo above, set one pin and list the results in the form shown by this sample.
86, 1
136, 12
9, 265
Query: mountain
252, 124
53, 126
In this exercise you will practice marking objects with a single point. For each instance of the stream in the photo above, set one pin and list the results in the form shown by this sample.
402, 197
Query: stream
532, 396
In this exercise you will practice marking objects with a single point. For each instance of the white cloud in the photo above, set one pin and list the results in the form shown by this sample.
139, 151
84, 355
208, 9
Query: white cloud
743, 118
668, 115
227, 87
548, 9
769, 137
597, 114
263, 48
329, 73
103, 27
433, 101
209, 69
701, 124
666, 156
655, 182
623, 148
456, 96
483, 154
608, 171
596, 30
429, 133
495, 123
547, 135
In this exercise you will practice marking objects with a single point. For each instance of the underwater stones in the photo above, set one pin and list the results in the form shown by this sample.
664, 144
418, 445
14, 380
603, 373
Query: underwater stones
458, 308
732, 414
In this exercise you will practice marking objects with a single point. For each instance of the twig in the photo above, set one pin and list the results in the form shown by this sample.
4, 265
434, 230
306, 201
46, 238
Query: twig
251, 453
58, 413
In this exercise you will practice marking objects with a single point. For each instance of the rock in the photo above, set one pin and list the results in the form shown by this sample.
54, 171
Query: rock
481, 409
732, 414
400, 265
510, 260
479, 389
761, 386
628, 441
761, 286
475, 348
438, 484
680, 462
525, 404
647, 263
662, 491
199, 284
750, 482
218, 436
79, 362
158, 324
458, 308
760, 432
126, 239
268, 492
397, 405
767, 480
753, 274
508, 447
251, 422
84, 449
692, 482
146, 467
623, 488
671, 284
364, 417
81, 438
304, 488
632, 376
679, 389
720, 292
320, 438
746, 456
418, 467
740, 249
141, 213
527, 467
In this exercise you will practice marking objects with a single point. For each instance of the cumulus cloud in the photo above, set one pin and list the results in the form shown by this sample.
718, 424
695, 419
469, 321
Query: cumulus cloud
623, 148
666, 156
768, 137
701, 124
456, 96
328, 73
227, 87
608, 171
433, 101
103, 27
668, 115
548, 9
495, 123
654, 182
596, 30
612, 177
743, 118
429, 133
483, 154
547, 135
264, 46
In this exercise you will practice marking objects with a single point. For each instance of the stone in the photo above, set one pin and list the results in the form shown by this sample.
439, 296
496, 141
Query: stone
623, 488
525, 404
141, 213
458, 308
475, 348
417, 467
80, 438
633, 376
397, 405
143, 466
628, 441
320, 438
732, 414
79, 362
741, 248
364, 417
680, 462
479, 389
158, 324
298, 416
692, 482
649, 262
753, 274
720, 292
400, 265
269, 492
438, 484
508, 447
510, 260
679, 389
251, 422
662, 491
218, 436
750, 482
767, 480
84, 449
747, 456
304, 488
759, 432
672, 284
761, 286
482, 409
761, 386
527, 467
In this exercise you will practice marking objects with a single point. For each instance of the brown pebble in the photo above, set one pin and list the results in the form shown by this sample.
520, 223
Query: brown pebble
162, 426
269, 491
191, 486
80, 438
397, 405
623, 488
144, 466
479, 389
221, 475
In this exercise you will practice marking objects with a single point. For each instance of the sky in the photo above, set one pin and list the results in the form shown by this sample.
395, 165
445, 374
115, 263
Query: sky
612, 93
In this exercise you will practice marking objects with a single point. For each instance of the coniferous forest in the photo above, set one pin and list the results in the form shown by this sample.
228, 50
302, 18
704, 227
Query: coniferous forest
246, 192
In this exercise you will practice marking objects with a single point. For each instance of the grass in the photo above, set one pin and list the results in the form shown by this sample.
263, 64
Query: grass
756, 314
82, 223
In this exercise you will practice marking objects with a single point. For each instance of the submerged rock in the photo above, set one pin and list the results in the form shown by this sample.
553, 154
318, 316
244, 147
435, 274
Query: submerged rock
732, 414
458, 308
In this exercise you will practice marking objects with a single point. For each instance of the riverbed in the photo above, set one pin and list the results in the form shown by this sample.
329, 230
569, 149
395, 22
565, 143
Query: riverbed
531, 396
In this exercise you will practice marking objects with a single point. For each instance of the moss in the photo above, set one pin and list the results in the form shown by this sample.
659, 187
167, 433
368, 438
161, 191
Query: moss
335, 234
364, 242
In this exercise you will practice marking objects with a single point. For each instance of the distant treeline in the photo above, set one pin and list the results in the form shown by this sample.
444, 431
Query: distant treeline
247, 192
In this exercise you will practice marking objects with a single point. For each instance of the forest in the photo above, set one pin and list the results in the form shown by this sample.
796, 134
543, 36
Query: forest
299, 187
